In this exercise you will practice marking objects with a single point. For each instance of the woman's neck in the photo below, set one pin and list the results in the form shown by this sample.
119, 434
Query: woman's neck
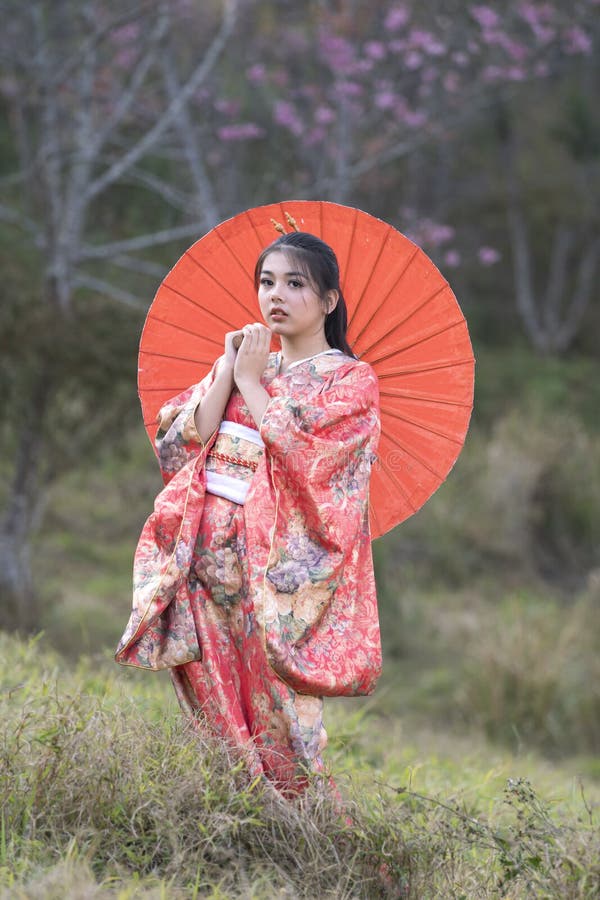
292, 352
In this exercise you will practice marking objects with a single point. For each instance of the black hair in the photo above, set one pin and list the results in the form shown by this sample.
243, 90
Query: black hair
319, 264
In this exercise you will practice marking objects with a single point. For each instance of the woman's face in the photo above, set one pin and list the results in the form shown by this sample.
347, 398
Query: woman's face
288, 302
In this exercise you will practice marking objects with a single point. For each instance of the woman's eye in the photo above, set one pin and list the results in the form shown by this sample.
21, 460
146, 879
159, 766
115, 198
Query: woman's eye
266, 281
296, 284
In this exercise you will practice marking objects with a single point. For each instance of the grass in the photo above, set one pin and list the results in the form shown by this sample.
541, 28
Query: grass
105, 792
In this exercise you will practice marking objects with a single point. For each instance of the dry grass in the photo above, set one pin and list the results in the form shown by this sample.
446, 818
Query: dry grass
100, 797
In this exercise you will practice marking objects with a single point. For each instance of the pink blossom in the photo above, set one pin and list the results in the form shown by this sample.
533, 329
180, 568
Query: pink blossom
285, 114
361, 66
348, 89
397, 46
542, 69
485, 16
488, 256
315, 136
436, 233
241, 131
577, 41
460, 59
426, 41
491, 37
337, 52
396, 18
126, 57
126, 34
429, 74
492, 73
385, 99
451, 82
227, 106
375, 49
517, 51
324, 115
257, 73
515, 73
413, 60
415, 118
452, 258
433, 47
280, 77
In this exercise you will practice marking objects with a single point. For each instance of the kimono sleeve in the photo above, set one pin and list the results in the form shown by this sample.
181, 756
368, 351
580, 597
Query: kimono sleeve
321, 446
177, 440
320, 605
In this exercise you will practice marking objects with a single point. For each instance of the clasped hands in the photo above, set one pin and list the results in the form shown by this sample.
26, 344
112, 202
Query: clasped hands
247, 352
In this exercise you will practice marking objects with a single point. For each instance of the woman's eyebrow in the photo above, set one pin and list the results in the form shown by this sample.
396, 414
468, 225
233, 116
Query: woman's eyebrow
287, 274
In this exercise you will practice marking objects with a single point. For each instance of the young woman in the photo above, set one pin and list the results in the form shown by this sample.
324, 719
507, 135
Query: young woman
253, 578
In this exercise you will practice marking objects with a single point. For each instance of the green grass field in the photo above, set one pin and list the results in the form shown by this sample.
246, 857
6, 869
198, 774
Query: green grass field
473, 772
106, 793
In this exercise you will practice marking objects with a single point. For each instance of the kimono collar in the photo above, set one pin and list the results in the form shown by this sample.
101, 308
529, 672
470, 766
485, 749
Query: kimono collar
297, 362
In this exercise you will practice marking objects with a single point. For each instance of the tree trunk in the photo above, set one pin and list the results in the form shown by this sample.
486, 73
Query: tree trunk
19, 603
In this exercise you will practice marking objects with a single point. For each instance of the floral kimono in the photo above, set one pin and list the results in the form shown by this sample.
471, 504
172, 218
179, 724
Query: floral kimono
253, 577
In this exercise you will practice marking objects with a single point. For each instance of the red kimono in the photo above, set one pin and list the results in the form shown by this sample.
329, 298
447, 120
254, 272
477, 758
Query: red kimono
261, 607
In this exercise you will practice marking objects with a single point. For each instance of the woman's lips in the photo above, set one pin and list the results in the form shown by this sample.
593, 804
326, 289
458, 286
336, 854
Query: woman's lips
278, 314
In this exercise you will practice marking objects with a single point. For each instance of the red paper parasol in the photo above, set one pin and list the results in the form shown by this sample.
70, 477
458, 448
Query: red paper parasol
403, 319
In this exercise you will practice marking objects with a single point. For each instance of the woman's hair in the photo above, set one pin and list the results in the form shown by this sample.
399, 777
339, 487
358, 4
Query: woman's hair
317, 261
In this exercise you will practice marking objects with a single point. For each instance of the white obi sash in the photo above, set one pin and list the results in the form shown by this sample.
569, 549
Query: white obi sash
232, 461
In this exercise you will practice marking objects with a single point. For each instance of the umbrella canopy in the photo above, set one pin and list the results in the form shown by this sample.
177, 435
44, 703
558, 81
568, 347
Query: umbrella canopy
403, 319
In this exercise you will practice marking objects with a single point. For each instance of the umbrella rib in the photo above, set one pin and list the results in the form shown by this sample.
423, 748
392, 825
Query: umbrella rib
255, 230
403, 321
179, 389
234, 255
391, 475
201, 362
424, 398
414, 456
442, 364
421, 340
392, 288
199, 305
219, 283
374, 266
354, 221
204, 337
420, 425
373, 515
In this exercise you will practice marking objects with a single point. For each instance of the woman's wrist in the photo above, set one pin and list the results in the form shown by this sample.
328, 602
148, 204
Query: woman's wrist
225, 370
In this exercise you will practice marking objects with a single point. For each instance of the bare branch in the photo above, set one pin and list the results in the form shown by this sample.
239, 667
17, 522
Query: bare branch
91, 43
136, 81
557, 275
154, 239
170, 194
582, 295
132, 264
14, 217
188, 136
109, 290
118, 169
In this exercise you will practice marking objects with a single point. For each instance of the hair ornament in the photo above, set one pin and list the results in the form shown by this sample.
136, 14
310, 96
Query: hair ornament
278, 226
291, 222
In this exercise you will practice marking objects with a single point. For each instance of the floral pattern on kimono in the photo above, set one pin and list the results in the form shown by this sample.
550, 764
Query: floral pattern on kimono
310, 583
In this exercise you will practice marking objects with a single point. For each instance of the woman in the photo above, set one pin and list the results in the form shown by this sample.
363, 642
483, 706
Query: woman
253, 578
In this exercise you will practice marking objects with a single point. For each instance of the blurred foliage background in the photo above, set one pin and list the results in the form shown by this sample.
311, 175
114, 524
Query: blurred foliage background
129, 129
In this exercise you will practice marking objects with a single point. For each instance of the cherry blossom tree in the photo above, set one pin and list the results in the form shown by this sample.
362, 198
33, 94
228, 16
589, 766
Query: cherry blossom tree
96, 101
133, 128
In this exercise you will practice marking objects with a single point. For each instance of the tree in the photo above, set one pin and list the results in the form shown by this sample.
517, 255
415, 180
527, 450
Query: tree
91, 92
